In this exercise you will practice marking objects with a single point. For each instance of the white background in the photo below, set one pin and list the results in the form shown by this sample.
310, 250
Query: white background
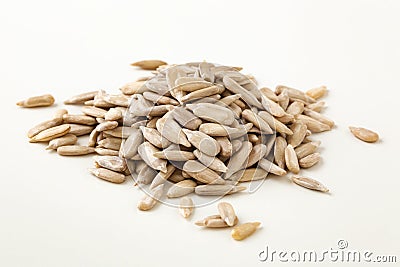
54, 213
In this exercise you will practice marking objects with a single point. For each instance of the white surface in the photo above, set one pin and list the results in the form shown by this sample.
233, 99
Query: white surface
53, 213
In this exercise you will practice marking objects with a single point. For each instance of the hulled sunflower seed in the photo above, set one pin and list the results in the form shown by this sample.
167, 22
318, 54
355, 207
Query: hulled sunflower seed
257, 121
313, 125
108, 175
111, 162
306, 149
51, 133
181, 188
212, 112
79, 119
160, 99
271, 167
150, 200
149, 64
146, 175
258, 152
186, 118
245, 230
171, 130
186, 207
217, 189
247, 175
235, 88
78, 130
274, 123
44, 126
60, 113
73, 150
299, 133
154, 137
213, 163
37, 101
317, 116
201, 173
279, 155
94, 112
226, 146
309, 183
106, 152
291, 160
309, 160
214, 221
175, 155
317, 93
227, 213
272, 107
162, 177
146, 151
295, 108
203, 142
364, 134
81, 98
68, 139
239, 159
106, 125
131, 144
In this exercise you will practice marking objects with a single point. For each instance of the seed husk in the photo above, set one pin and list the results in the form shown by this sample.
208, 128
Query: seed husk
44, 126
37, 101
309, 183
51, 133
81, 98
217, 189
68, 139
149, 201
181, 188
108, 175
291, 160
245, 230
152, 64
227, 213
309, 160
364, 134
186, 207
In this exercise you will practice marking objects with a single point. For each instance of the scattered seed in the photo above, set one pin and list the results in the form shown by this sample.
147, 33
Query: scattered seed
245, 230
364, 134
37, 101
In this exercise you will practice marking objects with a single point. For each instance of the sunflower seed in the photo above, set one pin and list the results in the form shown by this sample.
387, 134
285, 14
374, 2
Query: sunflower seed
309, 183
44, 126
239, 159
257, 121
68, 139
364, 134
51, 133
274, 124
81, 98
60, 113
247, 175
106, 152
306, 149
181, 188
174, 155
235, 88
201, 173
73, 150
317, 116
299, 133
217, 189
186, 207
245, 230
212, 112
154, 137
313, 125
131, 144
291, 160
137, 87
258, 152
227, 213
203, 142
295, 108
108, 175
160, 99
110, 143
269, 94
149, 64
117, 100
205, 92
37, 101
226, 146
162, 177
79, 119
316, 106
226, 101
294, 94
111, 162
146, 175
106, 125
214, 221
94, 112
271, 167
272, 107
317, 93
279, 153
150, 200
186, 118
171, 130
309, 160
192, 86
78, 129
211, 162
146, 151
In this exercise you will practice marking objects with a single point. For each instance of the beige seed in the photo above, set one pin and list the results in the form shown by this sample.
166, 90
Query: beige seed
177, 177
294, 94
131, 88
245, 230
239, 159
78, 129
171, 130
68, 139
271, 167
106, 152
186, 118
106, 125
51, 133
107, 175
131, 144
213, 163
257, 121
299, 130
309, 160
247, 175
217, 189
313, 125
81, 98
316, 106
111, 162
291, 160
192, 86
295, 108
306, 149
113, 114
94, 135
149, 64
94, 112
258, 152
59, 114
186, 207
146, 151
227, 213
317, 116
181, 188
279, 153
149, 201
201, 173
213, 113
317, 93
203, 142
175, 155
235, 88
226, 101
146, 175
37, 101
274, 124
309, 183
154, 137
364, 134
215, 89
162, 177
215, 129
117, 100
272, 107
79, 119
110, 143
44, 126
74, 150
214, 221
226, 146
160, 99
269, 94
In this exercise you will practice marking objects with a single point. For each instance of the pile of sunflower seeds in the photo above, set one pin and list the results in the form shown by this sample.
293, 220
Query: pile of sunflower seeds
204, 128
